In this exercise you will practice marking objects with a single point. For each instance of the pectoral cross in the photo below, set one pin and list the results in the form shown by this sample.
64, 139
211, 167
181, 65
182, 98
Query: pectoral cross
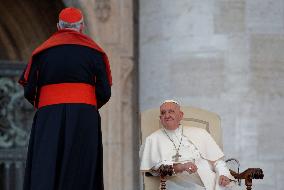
176, 157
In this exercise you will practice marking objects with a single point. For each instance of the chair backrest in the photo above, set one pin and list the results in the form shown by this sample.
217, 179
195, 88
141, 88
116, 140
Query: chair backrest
193, 117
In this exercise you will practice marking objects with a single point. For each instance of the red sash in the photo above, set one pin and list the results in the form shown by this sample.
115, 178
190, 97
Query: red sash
67, 93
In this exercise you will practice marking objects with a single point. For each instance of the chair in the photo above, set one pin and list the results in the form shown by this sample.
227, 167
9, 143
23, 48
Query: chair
193, 117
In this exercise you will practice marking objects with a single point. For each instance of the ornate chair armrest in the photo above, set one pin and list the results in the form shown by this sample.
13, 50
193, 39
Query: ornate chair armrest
166, 170
162, 172
248, 175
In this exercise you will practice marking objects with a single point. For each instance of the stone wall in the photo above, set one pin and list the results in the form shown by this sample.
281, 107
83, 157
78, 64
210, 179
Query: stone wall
226, 57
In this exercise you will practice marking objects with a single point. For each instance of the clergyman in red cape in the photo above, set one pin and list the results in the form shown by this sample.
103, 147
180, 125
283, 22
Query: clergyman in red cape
68, 78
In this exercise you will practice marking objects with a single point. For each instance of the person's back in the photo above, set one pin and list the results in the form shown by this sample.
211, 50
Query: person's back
69, 64
76, 63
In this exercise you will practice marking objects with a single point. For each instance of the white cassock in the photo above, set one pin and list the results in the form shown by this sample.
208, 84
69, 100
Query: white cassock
195, 145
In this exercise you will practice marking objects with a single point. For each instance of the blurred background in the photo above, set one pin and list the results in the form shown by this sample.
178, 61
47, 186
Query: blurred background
225, 56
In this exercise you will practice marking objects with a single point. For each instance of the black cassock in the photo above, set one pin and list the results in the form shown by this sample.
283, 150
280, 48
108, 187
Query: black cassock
65, 148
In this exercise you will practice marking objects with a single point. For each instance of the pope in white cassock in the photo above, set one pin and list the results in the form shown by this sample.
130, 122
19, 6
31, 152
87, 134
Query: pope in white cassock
196, 158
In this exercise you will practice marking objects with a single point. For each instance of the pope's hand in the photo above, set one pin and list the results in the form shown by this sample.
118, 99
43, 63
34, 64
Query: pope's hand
190, 167
223, 180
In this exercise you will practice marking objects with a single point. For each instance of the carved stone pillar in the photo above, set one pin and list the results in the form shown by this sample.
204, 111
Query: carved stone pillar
110, 23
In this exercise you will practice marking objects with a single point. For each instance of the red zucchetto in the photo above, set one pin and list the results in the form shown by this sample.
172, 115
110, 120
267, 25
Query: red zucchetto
71, 15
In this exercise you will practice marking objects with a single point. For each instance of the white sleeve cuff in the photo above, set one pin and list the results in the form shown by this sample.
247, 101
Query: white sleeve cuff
221, 168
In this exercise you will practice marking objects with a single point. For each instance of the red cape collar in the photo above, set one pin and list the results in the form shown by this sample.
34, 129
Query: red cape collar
62, 37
